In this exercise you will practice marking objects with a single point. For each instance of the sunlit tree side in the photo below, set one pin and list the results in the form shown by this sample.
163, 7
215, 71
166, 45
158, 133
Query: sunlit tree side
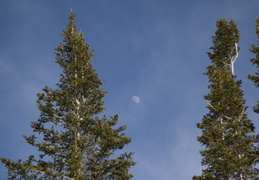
73, 141
228, 147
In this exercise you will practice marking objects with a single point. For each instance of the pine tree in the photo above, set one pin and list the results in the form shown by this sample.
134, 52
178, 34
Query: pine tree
255, 50
73, 141
226, 130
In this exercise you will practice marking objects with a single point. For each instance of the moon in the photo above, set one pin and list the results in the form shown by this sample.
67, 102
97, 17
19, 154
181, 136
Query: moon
135, 99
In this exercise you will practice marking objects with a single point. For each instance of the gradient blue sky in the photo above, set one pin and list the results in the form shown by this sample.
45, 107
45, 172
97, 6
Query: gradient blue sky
153, 49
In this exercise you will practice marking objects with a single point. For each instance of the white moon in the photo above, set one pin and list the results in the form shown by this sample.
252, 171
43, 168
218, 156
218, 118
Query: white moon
135, 99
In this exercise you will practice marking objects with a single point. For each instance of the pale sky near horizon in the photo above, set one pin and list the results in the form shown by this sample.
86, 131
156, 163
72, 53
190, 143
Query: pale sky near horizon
152, 49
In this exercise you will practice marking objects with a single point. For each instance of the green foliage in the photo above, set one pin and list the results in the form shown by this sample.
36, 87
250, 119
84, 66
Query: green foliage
226, 130
255, 61
76, 144
226, 36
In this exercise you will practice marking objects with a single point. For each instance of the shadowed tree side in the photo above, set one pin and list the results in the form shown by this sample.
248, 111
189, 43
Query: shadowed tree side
226, 130
255, 79
76, 144
255, 61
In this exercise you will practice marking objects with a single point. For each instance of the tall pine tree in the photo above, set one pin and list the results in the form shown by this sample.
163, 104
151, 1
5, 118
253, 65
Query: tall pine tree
76, 143
255, 61
228, 152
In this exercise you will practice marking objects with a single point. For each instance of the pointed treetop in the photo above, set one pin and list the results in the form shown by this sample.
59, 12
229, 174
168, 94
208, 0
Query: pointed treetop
225, 49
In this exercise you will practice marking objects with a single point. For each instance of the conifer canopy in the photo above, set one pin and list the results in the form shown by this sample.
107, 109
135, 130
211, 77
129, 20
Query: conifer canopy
226, 129
74, 143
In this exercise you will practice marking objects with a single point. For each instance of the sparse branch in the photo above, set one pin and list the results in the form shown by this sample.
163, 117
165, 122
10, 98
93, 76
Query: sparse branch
43, 173
241, 115
214, 108
58, 117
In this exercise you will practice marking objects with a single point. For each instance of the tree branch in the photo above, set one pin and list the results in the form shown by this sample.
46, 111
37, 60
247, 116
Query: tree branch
43, 173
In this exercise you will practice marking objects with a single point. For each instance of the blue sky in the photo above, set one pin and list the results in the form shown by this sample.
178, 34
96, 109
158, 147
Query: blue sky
153, 49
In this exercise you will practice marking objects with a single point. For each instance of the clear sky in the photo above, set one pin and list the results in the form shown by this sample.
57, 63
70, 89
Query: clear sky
152, 49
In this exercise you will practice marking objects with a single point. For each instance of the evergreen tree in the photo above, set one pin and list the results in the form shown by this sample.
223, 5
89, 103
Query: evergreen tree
228, 152
255, 50
76, 144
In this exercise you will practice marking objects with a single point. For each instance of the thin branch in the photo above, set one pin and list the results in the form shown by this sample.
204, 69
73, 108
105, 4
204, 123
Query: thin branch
43, 173
59, 117
214, 108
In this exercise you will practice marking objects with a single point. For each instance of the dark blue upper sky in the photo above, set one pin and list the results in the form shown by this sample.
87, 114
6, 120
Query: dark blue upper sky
153, 49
